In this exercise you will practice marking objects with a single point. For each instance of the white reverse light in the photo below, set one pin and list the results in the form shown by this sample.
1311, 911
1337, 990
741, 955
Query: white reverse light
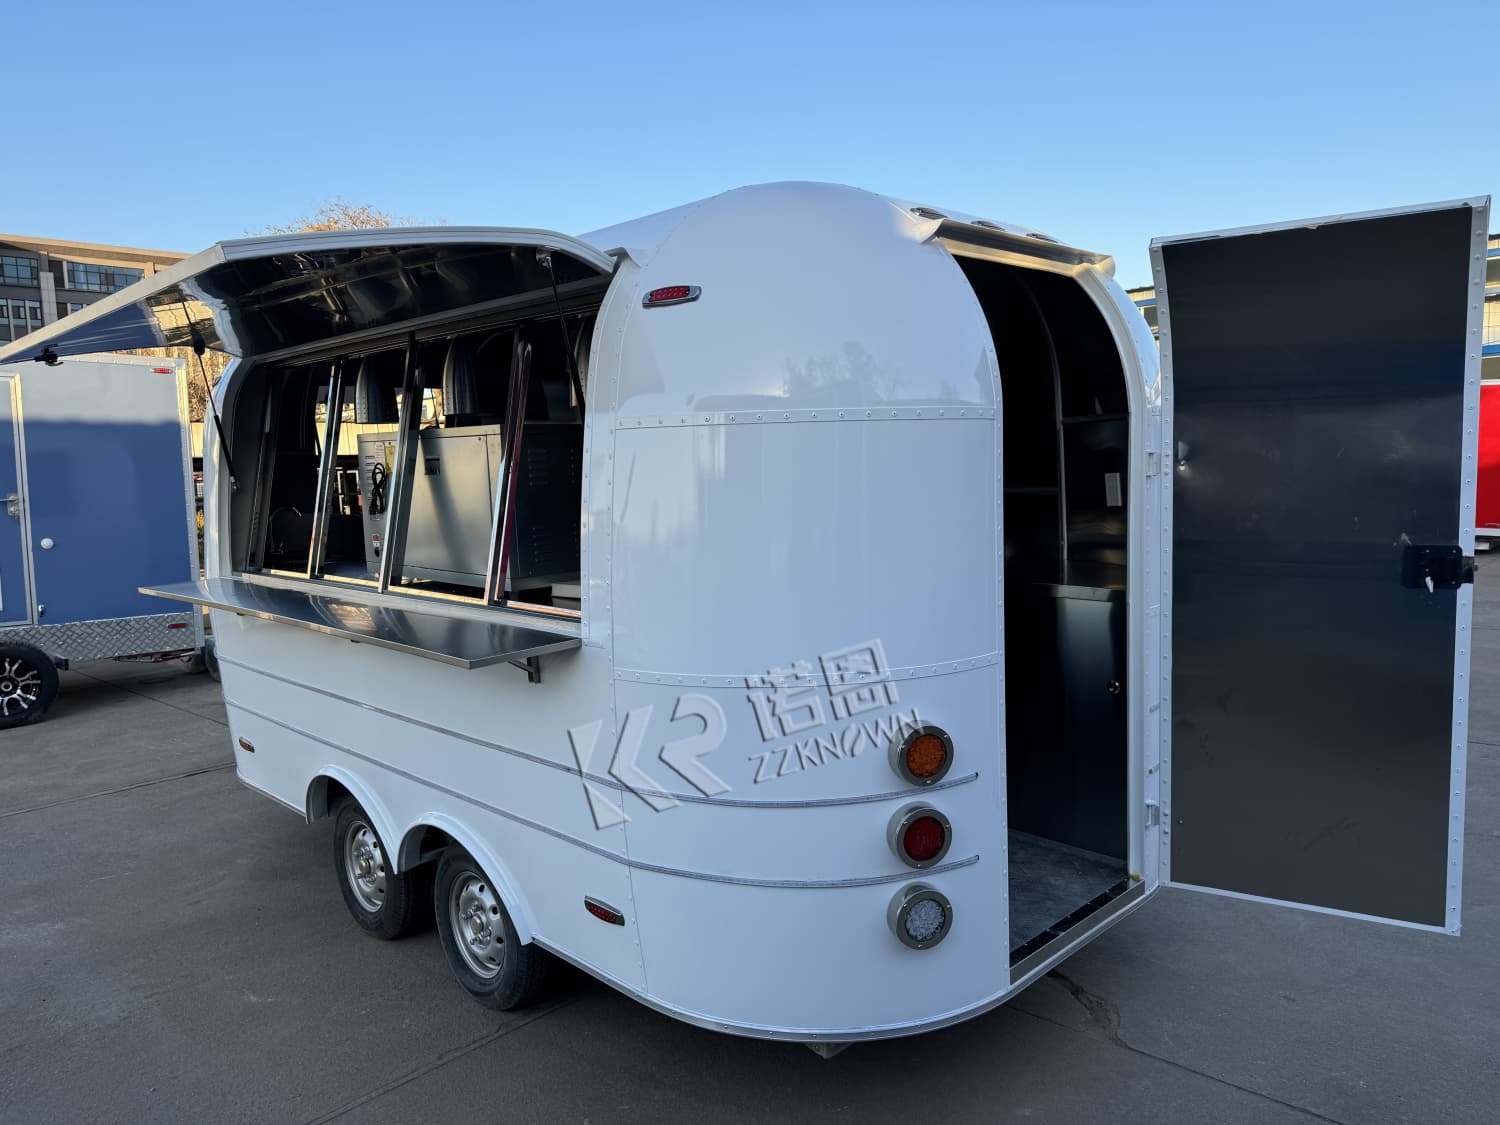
920, 916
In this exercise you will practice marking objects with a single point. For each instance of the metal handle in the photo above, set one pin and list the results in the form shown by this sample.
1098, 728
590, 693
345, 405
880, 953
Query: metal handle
13, 506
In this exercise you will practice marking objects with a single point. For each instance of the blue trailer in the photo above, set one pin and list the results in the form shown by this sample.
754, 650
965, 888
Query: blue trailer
97, 479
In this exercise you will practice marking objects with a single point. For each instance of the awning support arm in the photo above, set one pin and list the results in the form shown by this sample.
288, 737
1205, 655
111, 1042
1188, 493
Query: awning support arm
545, 258
199, 347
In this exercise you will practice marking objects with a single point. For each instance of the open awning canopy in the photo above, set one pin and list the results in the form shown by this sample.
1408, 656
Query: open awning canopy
257, 295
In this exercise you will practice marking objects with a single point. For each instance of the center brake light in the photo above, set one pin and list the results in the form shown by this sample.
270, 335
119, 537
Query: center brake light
670, 295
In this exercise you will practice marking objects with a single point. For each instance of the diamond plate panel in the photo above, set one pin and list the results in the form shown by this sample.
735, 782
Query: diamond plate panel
119, 636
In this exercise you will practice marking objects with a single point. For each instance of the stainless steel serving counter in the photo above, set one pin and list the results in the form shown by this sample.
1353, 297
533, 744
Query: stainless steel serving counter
463, 642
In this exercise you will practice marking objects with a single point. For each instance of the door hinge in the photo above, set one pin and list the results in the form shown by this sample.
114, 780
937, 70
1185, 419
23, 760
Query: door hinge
1153, 814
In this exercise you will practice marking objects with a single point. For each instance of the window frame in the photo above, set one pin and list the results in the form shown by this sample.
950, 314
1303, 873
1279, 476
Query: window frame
8, 278
492, 597
71, 279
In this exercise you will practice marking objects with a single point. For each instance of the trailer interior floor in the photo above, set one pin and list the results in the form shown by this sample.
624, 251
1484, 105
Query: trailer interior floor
1053, 887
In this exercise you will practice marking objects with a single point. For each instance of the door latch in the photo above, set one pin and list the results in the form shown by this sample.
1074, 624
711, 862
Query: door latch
13, 506
1434, 567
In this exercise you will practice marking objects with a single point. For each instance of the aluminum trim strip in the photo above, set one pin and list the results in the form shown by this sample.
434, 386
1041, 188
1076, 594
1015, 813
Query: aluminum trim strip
890, 675
606, 853
13, 388
859, 1034
769, 417
1330, 910
189, 483
604, 779
1464, 607
1089, 925
1026, 971
1475, 201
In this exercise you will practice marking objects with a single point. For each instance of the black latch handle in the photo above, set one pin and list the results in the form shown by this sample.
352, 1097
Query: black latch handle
1435, 568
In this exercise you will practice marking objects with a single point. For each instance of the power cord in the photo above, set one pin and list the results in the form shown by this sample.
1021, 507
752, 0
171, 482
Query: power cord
377, 488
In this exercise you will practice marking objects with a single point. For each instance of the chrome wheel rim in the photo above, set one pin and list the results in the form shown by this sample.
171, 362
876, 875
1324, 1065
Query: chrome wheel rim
364, 863
478, 928
20, 686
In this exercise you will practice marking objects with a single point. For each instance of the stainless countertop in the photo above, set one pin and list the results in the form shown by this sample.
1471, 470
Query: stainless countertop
460, 641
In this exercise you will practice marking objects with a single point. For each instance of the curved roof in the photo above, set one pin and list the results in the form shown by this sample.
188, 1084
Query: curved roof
642, 237
814, 297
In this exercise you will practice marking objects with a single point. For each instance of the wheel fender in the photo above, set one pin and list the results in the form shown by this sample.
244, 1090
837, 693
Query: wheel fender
373, 805
499, 873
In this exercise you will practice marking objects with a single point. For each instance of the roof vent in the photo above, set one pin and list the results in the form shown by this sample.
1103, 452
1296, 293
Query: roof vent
927, 213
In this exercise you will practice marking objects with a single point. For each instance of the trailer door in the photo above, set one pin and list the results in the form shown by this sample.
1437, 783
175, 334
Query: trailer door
1322, 389
15, 604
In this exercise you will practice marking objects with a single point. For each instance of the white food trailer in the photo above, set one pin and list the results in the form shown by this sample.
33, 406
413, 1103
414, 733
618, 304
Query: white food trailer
817, 615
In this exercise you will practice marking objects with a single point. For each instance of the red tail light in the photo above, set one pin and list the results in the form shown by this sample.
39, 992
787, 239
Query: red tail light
919, 835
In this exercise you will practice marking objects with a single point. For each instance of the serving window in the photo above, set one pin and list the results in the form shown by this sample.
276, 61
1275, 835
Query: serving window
449, 466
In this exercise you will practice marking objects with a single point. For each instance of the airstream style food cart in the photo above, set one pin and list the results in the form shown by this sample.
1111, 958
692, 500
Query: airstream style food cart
817, 615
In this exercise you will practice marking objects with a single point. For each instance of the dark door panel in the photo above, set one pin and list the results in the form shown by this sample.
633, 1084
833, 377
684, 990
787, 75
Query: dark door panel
1318, 376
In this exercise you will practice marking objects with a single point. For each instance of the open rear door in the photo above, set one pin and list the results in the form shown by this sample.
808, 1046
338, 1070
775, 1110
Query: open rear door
259, 296
1322, 386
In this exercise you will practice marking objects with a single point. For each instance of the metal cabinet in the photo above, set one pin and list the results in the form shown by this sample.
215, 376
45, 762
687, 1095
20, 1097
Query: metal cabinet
1066, 765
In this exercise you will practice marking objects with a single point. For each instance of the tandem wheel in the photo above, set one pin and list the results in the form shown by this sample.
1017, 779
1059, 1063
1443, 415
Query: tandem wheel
28, 684
479, 939
384, 903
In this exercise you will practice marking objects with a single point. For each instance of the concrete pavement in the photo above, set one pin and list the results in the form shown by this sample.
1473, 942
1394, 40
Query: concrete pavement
173, 948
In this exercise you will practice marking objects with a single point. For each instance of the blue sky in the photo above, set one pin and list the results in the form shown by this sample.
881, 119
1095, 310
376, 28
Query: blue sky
172, 125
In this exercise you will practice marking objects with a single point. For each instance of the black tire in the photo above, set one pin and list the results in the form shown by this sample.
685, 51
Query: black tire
385, 904
211, 658
28, 685
463, 896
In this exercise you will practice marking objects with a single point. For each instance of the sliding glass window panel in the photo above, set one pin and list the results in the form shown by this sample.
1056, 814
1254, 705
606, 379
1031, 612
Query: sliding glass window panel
338, 548
539, 557
457, 445
288, 467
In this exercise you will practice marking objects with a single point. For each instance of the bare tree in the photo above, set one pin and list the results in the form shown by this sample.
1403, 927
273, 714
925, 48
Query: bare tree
340, 214
214, 363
